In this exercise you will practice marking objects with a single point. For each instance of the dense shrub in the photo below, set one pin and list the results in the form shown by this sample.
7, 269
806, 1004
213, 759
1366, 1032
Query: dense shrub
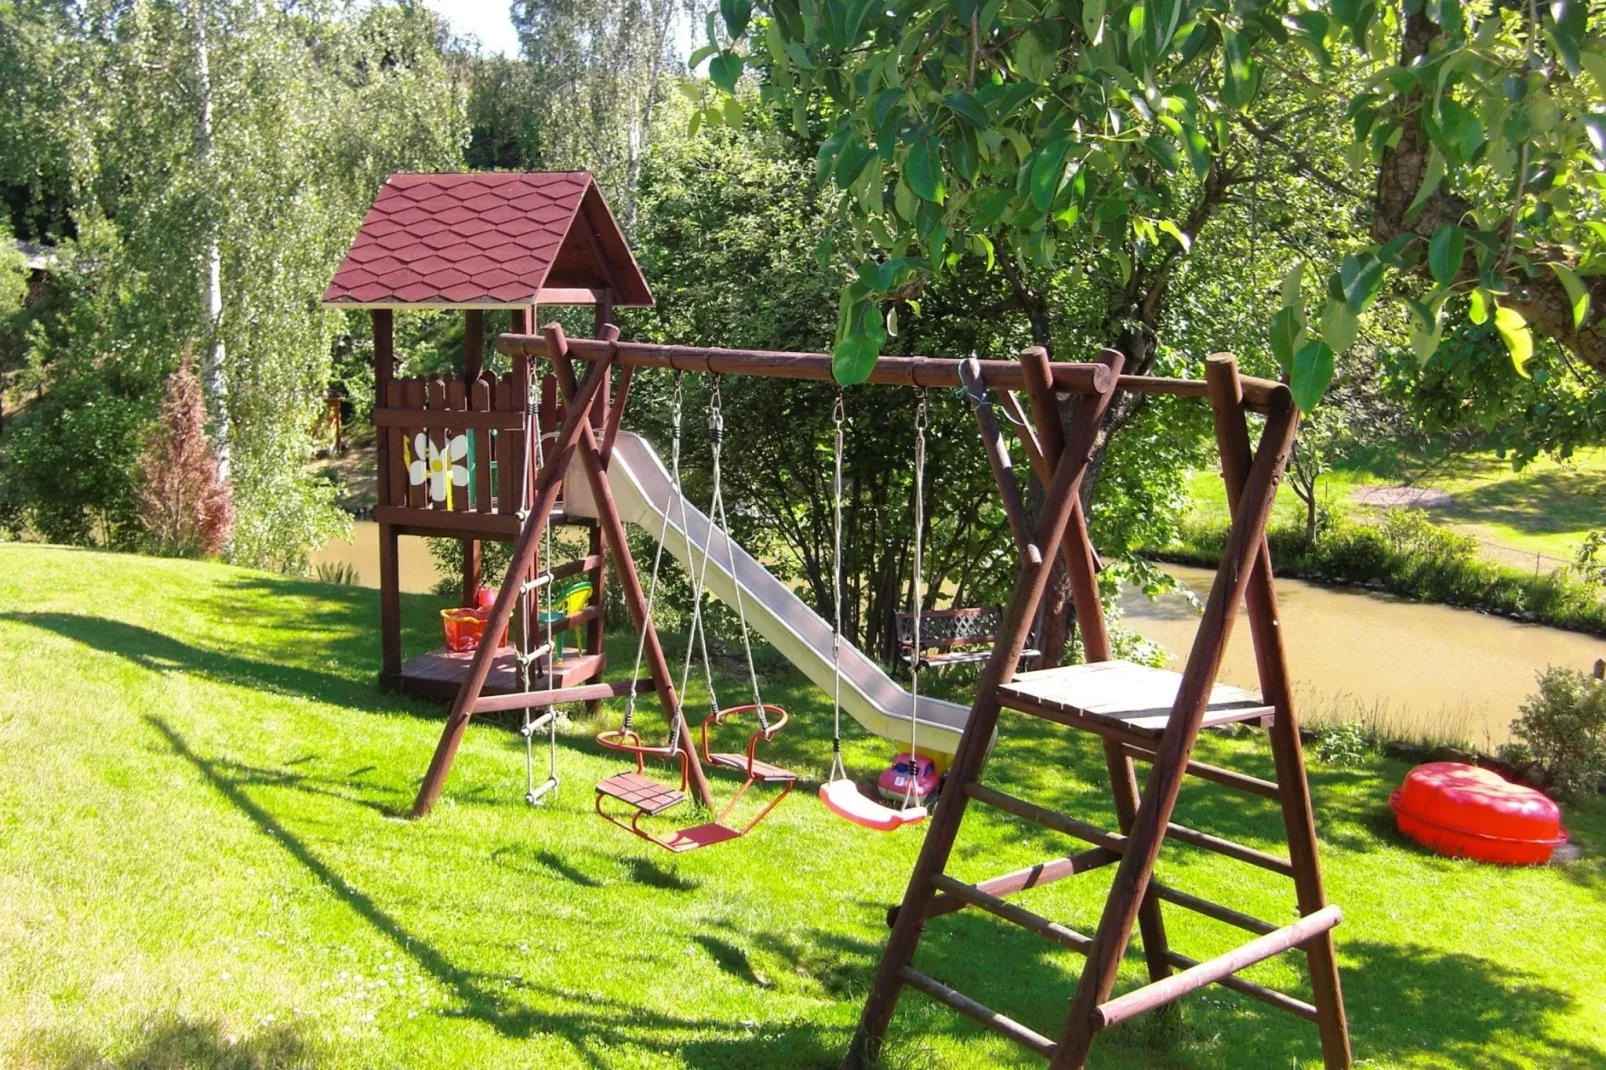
1345, 743
1561, 733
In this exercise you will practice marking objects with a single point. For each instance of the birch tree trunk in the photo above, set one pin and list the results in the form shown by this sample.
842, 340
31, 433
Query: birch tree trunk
214, 380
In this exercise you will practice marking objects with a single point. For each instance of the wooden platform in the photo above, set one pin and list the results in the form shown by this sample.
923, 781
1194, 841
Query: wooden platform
1122, 695
440, 673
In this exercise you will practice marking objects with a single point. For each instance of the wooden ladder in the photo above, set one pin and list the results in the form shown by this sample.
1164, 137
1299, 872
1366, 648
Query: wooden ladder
1139, 714
576, 440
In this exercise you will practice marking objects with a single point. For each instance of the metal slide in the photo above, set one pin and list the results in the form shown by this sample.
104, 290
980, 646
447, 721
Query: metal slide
644, 492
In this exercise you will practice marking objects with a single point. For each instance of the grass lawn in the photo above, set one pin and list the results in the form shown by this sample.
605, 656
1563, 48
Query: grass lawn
200, 865
1545, 509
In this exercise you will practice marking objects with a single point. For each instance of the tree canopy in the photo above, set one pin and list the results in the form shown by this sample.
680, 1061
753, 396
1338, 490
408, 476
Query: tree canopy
1041, 131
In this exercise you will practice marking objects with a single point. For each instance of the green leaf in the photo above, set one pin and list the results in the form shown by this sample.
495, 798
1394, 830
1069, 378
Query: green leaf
1161, 149
965, 106
1178, 233
1518, 337
1478, 306
1285, 336
1312, 371
1093, 20
1360, 276
1338, 325
851, 160
737, 14
1577, 296
724, 70
1430, 182
830, 148
1425, 341
1198, 149
1291, 286
923, 171
1569, 25
1048, 168
1445, 251
1241, 72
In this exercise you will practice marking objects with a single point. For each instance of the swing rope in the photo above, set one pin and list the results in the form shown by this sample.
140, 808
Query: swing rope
838, 417
526, 655
657, 562
911, 794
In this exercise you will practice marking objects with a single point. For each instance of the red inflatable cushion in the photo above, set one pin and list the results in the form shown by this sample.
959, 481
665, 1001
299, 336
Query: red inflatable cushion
1465, 811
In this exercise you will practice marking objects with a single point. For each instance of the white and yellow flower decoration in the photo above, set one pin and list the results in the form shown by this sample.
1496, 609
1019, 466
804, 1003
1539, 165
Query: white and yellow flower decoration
439, 466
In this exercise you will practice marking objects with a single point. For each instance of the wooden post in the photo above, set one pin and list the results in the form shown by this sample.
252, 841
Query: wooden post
1176, 744
390, 647
1265, 628
1031, 579
544, 497
473, 362
1081, 570
613, 533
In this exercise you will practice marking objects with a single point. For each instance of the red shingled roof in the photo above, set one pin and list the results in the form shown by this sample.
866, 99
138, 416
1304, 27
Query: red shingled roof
492, 240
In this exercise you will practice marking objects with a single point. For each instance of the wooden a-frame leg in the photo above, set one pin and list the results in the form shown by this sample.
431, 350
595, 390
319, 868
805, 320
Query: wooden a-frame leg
547, 485
1077, 550
1170, 765
1299, 824
1031, 579
613, 533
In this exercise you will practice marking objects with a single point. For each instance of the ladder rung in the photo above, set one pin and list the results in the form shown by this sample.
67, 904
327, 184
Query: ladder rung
1226, 777
1211, 910
534, 796
1206, 842
1011, 913
1195, 977
536, 584
534, 655
1281, 1000
1030, 877
539, 723
1070, 826
998, 1023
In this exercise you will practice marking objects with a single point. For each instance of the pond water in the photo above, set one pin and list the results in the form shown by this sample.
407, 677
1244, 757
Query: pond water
361, 552
1417, 669
1420, 669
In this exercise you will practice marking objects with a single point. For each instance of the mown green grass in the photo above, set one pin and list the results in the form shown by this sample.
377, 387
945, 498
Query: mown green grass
201, 865
1545, 509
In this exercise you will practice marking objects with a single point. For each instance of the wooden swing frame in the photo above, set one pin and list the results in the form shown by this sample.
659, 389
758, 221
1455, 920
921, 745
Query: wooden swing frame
1161, 735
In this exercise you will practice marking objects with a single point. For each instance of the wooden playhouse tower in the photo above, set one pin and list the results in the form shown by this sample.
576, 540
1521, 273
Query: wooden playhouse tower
474, 242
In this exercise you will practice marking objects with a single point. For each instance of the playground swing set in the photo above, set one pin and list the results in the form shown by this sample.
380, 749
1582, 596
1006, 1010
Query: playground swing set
588, 471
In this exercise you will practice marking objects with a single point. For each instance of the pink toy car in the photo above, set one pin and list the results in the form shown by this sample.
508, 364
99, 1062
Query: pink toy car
894, 783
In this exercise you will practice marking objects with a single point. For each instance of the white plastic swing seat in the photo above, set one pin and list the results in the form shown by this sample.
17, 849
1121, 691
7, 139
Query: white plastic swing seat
844, 799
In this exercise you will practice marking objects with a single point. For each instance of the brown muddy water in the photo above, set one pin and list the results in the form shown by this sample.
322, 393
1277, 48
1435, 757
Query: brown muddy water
361, 552
1412, 669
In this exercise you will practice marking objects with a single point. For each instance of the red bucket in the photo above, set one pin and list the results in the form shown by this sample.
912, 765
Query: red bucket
1468, 812
465, 629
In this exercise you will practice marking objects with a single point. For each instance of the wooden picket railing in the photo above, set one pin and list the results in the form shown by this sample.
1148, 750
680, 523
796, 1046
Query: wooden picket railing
483, 422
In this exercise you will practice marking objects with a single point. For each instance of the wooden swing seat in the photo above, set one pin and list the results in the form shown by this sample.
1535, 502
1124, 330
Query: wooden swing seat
844, 799
1123, 698
645, 794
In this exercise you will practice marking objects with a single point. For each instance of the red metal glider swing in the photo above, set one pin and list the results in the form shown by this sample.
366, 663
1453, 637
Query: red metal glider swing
645, 796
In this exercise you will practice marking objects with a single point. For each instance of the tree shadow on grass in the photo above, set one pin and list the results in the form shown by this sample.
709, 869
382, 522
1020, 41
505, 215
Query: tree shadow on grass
173, 1042
595, 1027
164, 654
